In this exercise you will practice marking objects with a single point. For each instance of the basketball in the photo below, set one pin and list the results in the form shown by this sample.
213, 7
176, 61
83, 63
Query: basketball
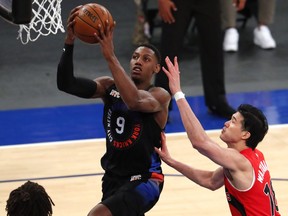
88, 20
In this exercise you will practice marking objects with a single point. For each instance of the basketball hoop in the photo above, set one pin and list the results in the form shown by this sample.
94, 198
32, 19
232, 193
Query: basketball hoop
46, 20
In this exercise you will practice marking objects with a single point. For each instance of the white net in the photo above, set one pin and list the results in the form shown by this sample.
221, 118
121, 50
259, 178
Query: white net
46, 20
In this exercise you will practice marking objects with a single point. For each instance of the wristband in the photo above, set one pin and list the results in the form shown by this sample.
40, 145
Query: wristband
178, 95
68, 47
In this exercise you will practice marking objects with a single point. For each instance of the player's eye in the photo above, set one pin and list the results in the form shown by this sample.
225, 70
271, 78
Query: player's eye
146, 59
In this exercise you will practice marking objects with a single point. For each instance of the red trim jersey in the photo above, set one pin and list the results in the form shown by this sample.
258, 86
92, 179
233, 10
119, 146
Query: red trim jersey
259, 199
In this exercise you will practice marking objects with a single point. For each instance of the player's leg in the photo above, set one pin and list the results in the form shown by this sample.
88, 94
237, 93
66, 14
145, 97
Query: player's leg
100, 210
134, 198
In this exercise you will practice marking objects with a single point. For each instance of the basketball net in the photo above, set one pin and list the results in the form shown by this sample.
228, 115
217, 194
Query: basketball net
46, 20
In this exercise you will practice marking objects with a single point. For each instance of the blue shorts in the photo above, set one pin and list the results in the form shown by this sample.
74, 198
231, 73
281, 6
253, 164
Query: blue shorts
130, 197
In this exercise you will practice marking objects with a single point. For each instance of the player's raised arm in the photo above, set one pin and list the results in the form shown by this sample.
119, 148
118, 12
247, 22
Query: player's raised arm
66, 81
136, 90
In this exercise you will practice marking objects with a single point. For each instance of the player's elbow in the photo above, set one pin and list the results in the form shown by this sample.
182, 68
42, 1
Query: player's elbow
140, 105
133, 105
61, 85
61, 81
210, 185
211, 188
200, 142
198, 145
64, 85
214, 187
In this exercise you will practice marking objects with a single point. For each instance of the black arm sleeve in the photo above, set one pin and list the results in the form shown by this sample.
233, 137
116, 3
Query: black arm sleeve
67, 82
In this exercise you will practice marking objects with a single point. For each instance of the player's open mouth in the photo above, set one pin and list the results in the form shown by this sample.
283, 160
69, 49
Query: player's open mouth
137, 69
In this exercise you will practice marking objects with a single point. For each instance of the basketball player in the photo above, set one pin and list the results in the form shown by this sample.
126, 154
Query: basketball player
243, 170
135, 113
30, 199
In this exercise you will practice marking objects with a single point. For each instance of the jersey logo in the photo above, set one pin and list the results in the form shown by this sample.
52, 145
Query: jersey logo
115, 93
135, 177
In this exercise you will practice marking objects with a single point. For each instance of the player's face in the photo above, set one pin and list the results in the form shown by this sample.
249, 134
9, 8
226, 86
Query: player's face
232, 131
143, 64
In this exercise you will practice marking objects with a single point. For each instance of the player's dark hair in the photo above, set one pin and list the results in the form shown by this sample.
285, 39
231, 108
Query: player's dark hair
254, 122
30, 199
155, 49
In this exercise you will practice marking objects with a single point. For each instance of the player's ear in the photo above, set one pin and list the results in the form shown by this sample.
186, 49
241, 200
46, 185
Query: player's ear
246, 135
157, 68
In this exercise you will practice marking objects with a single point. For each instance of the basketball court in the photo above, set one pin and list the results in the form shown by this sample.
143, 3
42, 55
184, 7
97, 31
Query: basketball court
57, 140
71, 174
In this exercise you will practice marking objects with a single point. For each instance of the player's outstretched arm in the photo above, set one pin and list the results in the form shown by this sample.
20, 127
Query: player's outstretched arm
194, 129
209, 179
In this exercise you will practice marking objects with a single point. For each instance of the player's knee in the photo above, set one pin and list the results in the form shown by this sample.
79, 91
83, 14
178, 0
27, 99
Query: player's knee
100, 210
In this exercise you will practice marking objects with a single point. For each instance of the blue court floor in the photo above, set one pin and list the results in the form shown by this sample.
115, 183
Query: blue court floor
78, 122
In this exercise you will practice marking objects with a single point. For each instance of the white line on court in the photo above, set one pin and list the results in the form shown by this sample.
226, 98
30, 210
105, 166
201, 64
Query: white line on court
103, 139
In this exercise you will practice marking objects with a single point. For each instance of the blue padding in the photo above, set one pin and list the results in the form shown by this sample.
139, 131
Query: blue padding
51, 124
85, 121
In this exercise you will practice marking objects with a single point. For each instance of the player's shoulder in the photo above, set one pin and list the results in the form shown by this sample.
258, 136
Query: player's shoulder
159, 90
103, 84
160, 93
105, 81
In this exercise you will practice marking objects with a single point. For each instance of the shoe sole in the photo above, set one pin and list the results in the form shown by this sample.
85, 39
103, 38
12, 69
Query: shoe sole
262, 47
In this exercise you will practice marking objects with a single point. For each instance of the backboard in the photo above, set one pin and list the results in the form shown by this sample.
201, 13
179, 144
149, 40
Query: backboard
34, 17
16, 11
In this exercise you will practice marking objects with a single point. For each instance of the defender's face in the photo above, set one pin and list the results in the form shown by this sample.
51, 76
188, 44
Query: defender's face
232, 131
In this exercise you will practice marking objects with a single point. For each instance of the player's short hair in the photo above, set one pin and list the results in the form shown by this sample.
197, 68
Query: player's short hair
254, 122
30, 199
155, 49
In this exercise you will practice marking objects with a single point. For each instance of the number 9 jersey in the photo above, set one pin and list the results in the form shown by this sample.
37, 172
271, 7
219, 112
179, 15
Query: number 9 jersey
130, 139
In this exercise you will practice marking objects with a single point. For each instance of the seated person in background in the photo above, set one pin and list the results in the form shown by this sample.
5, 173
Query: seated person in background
30, 199
262, 35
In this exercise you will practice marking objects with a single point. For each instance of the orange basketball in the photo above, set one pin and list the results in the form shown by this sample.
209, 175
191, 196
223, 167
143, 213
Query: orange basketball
88, 20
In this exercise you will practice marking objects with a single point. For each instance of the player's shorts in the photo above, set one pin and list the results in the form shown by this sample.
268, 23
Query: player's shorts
130, 197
